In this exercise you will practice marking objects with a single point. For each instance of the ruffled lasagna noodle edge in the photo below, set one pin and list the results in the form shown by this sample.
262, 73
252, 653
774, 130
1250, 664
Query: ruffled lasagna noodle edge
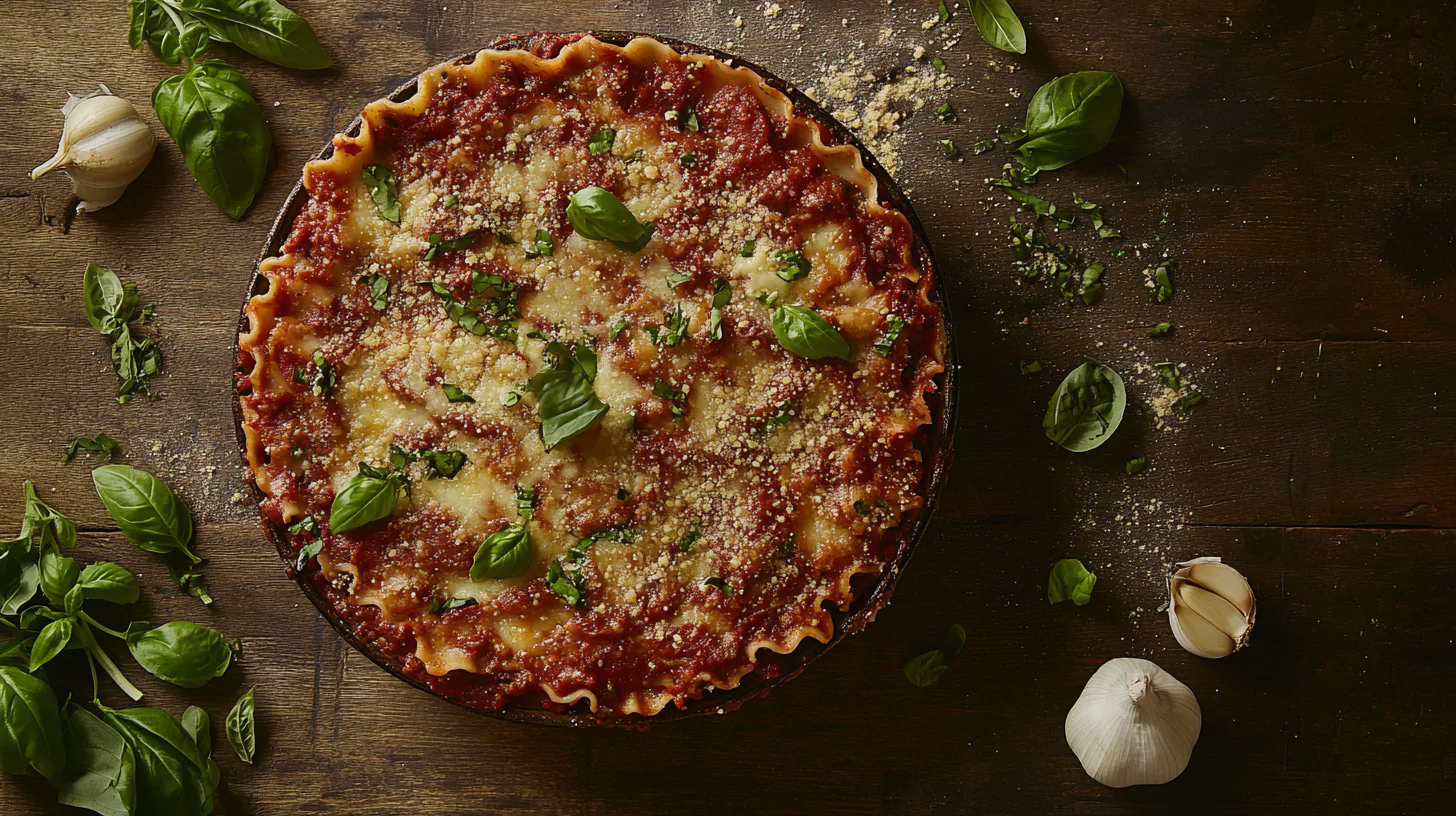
351, 154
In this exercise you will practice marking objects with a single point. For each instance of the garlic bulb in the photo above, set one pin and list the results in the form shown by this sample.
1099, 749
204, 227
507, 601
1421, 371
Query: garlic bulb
104, 146
1211, 607
1134, 724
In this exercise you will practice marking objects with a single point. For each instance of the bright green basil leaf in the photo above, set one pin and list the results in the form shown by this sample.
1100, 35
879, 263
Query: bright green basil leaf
602, 142
105, 581
184, 654
1136, 466
198, 726
242, 731
1160, 280
101, 771
722, 295
57, 575
1086, 408
382, 188
543, 245
803, 332
148, 512
438, 605
171, 34
31, 741
1160, 330
598, 215
109, 303
440, 245
795, 265
43, 525
565, 399
455, 393
173, 776
999, 25
19, 574
210, 113
263, 28
101, 444
378, 287
1187, 403
49, 643
1070, 581
369, 495
505, 554
886, 342
1070, 117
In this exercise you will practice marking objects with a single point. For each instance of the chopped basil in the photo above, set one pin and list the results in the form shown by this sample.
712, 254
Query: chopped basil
101, 444
525, 501
440, 464
1091, 290
945, 112
602, 142
862, 507
504, 237
378, 287
505, 554
565, 575
1168, 373
1030, 368
983, 146
947, 147
676, 399
893, 326
634, 157
939, 64
1160, 330
926, 668
598, 215
786, 547
803, 332
769, 299
509, 398
1034, 258
1160, 280
455, 393
439, 245
746, 251
380, 181
673, 330
1135, 466
307, 553
1011, 135
618, 326
623, 494
110, 308
1040, 206
451, 201
1086, 408
1187, 403
1070, 581
693, 534
688, 160
719, 584
565, 399
687, 118
541, 246
722, 295
675, 279
781, 416
307, 524
618, 534
795, 265
323, 380
944, 12
438, 605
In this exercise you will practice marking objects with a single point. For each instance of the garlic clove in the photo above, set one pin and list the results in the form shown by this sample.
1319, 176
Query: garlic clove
1215, 610
104, 146
1197, 635
1134, 724
1224, 581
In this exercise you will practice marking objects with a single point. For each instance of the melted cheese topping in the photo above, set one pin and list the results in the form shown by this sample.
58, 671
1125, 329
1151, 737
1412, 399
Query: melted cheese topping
718, 532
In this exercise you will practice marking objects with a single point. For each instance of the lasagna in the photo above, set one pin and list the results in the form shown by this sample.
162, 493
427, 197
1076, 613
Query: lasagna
589, 377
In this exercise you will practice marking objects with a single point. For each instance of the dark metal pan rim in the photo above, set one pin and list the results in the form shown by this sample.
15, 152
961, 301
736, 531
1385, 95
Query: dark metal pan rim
936, 444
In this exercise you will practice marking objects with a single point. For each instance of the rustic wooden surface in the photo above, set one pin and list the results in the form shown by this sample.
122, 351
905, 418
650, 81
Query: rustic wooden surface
1303, 151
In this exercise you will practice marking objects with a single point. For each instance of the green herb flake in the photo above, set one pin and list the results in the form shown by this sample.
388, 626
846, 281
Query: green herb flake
1136, 466
746, 251
676, 279
1091, 290
939, 64
676, 399
926, 668
687, 118
440, 245
1159, 279
1070, 581
601, 143
438, 605
505, 237
525, 501
1030, 368
786, 547
110, 308
455, 393
100, 444
541, 246
983, 146
944, 12
695, 532
886, 341
945, 113
380, 181
618, 326
1187, 403
1160, 330
322, 380
720, 584
947, 147
795, 266
722, 296
450, 201
377, 287
688, 160
1171, 377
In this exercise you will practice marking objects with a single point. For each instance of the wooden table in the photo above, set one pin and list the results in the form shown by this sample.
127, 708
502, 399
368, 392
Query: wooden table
1302, 152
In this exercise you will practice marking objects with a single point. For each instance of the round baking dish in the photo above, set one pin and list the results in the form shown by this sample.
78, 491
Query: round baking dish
774, 669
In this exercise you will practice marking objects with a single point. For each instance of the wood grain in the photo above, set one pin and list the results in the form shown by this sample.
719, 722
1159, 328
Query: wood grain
1300, 150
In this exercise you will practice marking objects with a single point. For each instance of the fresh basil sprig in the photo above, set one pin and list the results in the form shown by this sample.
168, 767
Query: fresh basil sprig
182, 653
264, 28
1086, 408
803, 332
101, 774
174, 774
1071, 117
1070, 581
565, 399
999, 25
100, 444
211, 114
242, 730
111, 308
171, 34
383, 189
369, 495
598, 215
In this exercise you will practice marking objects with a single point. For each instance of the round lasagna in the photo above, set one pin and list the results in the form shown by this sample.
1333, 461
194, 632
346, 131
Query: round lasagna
586, 374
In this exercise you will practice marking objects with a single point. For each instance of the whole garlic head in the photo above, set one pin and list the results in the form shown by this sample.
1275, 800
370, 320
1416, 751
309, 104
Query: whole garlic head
1210, 607
104, 146
1134, 724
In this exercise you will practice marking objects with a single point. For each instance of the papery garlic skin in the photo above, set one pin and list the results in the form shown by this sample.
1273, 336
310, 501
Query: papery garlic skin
1210, 607
1134, 724
104, 146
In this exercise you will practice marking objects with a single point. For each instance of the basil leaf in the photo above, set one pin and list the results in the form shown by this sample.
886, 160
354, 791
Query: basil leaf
443, 464
1160, 280
210, 113
598, 215
382, 188
1070, 581
148, 512
926, 668
437, 606
57, 575
570, 586
1187, 403
1091, 290
1160, 330
242, 731
171, 35
184, 654
190, 581
999, 25
455, 393
886, 342
1070, 117
720, 584
1086, 408
263, 28
363, 499
439, 244
198, 726
19, 576
109, 304
944, 112
505, 554
525, 502
105, 581
687, 118
748, 248
101, 444
31, 741
43, 524
565, 399
49, 643
688, 160
1136, 466
542, 246
173, 776
722, 295
795, 265
983, 146
378, 288
101, 772
1030, 368
602, 142
803, 332
947, 148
